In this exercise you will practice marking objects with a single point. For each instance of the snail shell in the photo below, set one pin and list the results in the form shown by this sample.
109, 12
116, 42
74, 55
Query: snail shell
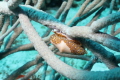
67, 45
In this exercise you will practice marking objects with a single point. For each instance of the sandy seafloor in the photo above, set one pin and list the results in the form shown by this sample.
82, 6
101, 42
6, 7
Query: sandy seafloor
14, 61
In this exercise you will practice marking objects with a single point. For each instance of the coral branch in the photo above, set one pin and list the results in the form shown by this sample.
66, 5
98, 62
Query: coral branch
105, 21
5, 26
17, 32
7, 32
27, 2
105, 56
100, 4
16, 73
56, 16
60, 10
90, 6
12, 4
78, 19
86, 32
113, 30
7, 52
52, 75
73, 56
32, 72
2, 18
97, 14
90, 63
44, 71
80, 11
66, 10
39, 4
116, 32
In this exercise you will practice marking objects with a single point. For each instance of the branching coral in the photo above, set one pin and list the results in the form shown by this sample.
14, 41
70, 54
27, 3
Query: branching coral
89, 36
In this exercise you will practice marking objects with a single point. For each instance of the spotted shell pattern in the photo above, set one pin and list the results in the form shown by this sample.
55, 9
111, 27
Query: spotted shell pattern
74, 45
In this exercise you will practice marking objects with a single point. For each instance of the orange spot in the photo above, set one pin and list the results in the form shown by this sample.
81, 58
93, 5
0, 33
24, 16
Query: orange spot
21, 76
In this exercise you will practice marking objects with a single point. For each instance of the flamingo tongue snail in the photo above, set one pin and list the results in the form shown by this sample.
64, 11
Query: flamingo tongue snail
67, 45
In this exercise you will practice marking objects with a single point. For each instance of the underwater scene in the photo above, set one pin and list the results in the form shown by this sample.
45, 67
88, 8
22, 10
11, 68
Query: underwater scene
59, 39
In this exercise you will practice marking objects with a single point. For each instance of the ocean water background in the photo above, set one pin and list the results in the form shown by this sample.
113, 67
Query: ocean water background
16, 60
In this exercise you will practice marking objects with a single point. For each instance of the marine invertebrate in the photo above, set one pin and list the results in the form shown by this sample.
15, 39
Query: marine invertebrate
65, 44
